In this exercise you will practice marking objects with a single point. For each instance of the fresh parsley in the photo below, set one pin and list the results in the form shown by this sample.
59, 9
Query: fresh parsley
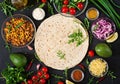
77, 37
61, 54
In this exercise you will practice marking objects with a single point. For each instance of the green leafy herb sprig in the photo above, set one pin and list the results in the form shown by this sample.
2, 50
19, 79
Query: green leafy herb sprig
61, 54
7, 7
77, 37
14, 75
111, 74
66, 73
50, 8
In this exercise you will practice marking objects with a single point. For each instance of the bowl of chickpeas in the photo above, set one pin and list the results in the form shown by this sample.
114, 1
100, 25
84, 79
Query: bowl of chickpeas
18, 30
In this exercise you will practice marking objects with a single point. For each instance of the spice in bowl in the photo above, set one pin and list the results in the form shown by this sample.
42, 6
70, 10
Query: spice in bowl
77, 75
92, 13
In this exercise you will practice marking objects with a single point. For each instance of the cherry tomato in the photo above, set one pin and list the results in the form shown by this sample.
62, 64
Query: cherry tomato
80, 5
64, 9
42, 81
39, 73
23, 83
65, 2
44, 1
72, 11
44, 69
34, 77
60, 82
91, 53
47, 76
29, 82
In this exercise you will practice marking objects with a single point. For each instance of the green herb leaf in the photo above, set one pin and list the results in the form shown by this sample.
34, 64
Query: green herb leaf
8, 47
90, 81
42, 5
61, 54
87, 61
19, 24
36, 56
50, 8
111, 74
66, 73
77, 37
57, 76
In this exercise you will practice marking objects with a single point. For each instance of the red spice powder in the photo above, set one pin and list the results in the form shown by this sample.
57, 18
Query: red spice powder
77, 75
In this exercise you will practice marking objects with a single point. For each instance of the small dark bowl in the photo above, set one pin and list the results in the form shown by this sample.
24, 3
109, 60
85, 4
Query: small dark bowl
106, 19
18, 16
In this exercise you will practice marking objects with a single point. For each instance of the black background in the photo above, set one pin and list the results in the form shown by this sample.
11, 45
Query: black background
113, 62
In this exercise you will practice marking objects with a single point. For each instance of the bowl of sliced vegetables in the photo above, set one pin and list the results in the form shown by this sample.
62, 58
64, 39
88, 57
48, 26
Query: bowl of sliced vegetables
18, 30
70, 7
102, 28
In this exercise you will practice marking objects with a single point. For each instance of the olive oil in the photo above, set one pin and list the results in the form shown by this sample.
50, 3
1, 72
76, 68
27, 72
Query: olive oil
19, 4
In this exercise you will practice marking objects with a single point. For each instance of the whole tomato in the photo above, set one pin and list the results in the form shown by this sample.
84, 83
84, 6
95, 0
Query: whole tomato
65, 2
29, 82
80, 5
91, 53
64, 9
34, 77
46, 76
72, 11
44, 1
39, 73
60, 82
42, 81
44, 69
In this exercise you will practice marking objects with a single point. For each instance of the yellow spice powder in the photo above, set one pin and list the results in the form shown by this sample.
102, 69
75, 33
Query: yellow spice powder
92, 14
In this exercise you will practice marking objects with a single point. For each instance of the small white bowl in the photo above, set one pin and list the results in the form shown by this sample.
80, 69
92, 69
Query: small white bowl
38, 13
81, 73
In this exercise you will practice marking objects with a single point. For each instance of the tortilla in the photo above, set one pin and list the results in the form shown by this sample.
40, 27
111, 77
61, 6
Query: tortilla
52, 36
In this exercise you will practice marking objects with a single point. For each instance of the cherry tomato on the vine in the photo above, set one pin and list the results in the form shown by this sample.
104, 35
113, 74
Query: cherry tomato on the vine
44, 1
91, 53
44, 69
42, 81
80, 5
65, 2
60, 82
47, 76
72, 11
64, 9
34, 77
39, 73
29, 82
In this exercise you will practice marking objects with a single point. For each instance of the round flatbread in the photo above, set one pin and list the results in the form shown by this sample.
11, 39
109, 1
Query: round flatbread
51, 42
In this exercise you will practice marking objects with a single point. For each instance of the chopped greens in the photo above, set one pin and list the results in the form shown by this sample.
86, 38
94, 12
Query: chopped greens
77, 37
19, 24
61, 54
